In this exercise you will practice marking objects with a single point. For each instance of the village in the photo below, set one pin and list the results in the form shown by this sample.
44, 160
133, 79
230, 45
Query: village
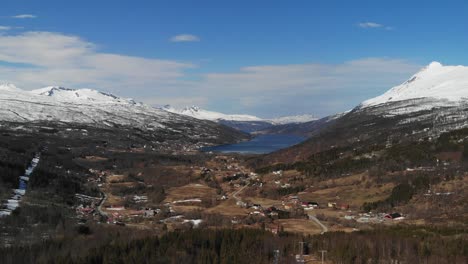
222, 193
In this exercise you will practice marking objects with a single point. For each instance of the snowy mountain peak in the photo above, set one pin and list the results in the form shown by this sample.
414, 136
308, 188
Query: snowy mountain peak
61, 107
79, 95
434, 65
197, 112
297, 119
192, 108
50, 90
434, 81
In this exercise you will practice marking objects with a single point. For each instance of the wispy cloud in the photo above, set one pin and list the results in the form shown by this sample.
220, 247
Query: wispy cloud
370, 25
23, 16
36, 59
53, 58
374, 25
4, 28
269, 90
185, 38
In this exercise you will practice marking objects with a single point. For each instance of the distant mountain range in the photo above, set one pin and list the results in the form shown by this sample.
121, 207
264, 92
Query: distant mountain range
432, 101
58, 106
197, 112
246, 123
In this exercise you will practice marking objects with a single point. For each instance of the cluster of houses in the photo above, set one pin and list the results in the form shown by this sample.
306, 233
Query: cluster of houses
99, 176
375, 217
9, 205
88, 205
179, 220
140, 198
294, 201
118, 214
259, 210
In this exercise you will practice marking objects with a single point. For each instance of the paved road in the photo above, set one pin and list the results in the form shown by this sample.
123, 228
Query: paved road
237, 192
102, 213
324, 228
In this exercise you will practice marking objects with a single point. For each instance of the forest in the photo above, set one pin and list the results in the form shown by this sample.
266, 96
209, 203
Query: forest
403, 244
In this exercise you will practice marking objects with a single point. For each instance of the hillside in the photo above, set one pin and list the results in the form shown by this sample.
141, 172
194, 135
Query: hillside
58, 106
445, 83
431, 102
245, 123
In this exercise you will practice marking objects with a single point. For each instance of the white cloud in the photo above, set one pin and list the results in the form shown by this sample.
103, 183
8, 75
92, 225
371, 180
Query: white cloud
370, 25
306, 86
4, 28
185, 38
23, 16
177, 102
269, 90
35, 59
306, 76
70, 61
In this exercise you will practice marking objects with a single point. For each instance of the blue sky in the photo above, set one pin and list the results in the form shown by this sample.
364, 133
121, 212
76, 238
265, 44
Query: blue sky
266, 58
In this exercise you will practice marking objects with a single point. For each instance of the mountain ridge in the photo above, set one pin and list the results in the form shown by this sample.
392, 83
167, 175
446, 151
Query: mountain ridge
197, 112
430, 103
448, 83
60, 106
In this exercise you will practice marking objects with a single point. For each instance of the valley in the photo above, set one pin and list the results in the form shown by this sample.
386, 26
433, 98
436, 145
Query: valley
145, 183
94, 189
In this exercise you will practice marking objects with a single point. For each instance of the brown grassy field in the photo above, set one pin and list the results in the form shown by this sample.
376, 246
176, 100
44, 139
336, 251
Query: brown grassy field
228, 208
189, 191
352, 190
264, 202
303, 226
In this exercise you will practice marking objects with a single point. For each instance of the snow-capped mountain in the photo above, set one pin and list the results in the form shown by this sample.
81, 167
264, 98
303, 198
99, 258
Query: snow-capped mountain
81, 95
435, 81
74, 106
197, 112
296, 119
58, 105
245, 123
429, 103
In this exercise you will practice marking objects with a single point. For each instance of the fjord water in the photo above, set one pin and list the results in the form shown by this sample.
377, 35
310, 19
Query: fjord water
259, 145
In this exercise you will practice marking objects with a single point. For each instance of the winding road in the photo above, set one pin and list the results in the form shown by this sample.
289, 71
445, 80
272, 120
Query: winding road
324, 228
102, 213
237, 192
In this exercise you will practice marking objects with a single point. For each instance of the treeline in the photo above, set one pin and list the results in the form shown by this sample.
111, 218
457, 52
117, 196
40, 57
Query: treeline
27, 216
290, 190
401, 244
10, 172
195, 246
14, 158
404, 191
359, 157
58, 183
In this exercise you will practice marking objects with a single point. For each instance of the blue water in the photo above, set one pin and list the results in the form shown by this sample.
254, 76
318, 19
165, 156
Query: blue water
259, 145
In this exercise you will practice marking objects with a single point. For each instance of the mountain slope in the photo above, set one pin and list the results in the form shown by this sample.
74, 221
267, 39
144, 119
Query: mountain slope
197, 112
296, 119
445, 83
431, 102
306, 129
246, 123
61, 106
